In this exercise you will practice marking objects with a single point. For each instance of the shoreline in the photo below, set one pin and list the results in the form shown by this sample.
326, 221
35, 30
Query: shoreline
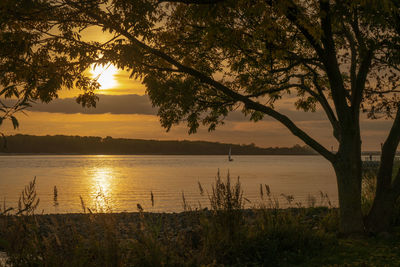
254, 237
172, 223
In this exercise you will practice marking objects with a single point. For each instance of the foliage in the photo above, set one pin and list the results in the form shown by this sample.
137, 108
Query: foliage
200, 60
373, 251
32, 66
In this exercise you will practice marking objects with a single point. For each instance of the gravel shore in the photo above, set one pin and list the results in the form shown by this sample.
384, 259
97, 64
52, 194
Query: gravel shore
127, 223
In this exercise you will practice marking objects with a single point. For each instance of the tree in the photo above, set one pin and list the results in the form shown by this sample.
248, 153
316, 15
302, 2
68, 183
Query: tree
30, 68
202, 59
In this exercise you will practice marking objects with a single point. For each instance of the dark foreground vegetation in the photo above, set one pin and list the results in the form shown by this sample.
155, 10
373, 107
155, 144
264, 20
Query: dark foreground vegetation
224, 234
62, 144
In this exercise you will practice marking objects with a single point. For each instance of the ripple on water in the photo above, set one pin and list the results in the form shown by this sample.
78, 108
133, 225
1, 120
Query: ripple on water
124, 181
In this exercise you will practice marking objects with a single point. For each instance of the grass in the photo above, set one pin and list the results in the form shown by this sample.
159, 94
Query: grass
369, 187
226, 234
373, 251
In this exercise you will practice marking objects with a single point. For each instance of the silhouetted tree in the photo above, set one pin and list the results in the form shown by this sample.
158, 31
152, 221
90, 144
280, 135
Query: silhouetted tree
202, 59
31, 68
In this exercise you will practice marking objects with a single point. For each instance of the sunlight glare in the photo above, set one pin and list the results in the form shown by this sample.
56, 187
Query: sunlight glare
105, 75
101, 188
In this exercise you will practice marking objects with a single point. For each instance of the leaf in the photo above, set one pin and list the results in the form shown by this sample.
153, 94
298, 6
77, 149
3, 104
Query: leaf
8, 88
14, 122
4, 140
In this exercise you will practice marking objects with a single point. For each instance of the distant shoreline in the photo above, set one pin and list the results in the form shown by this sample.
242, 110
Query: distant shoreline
94, 145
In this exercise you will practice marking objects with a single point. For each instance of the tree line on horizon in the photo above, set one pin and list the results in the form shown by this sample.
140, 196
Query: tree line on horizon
61, 144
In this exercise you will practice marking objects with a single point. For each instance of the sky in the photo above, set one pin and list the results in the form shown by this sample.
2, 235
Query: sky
125, 111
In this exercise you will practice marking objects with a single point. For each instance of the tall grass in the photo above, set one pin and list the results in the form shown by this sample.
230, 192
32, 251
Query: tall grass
368, 189
369, 180
226, 234
224, 229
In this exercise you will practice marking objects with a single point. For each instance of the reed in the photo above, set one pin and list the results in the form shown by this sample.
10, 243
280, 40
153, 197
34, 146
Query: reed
228, 233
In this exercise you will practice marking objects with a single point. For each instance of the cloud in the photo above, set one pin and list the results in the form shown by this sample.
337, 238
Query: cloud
133, 116
140, 104
113, 104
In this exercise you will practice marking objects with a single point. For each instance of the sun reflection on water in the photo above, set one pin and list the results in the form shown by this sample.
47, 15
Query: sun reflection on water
101, 188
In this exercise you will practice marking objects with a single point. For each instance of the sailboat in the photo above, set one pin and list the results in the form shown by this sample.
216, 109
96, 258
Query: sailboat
229, 155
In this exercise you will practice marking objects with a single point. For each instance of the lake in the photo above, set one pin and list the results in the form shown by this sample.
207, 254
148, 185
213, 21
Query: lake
121, 182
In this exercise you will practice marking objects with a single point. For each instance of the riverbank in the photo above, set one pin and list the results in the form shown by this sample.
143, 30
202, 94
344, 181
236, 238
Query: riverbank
191, 238
237, 237
127, 223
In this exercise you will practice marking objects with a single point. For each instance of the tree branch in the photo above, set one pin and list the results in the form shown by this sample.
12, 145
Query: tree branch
382, 92
360, 81
293, 16
353, 63
331, 63
250, 104
274, 90
328, 110
324, 103
171, 70
357, 32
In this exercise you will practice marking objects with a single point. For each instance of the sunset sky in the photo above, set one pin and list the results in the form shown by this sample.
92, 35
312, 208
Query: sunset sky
125, 111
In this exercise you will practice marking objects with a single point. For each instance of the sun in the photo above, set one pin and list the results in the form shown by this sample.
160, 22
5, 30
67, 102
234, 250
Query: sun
105, 75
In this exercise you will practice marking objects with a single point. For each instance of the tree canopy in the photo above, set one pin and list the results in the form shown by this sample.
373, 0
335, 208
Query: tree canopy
200, 60
33, 66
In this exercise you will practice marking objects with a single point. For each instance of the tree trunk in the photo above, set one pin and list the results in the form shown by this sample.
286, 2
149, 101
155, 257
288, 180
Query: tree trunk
387, 192
348, 173
349, 189
380, 216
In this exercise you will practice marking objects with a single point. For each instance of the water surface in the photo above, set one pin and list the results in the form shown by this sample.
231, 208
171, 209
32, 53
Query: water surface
120, 182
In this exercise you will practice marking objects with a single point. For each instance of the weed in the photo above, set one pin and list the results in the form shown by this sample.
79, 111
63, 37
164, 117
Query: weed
225, 235
55, 196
